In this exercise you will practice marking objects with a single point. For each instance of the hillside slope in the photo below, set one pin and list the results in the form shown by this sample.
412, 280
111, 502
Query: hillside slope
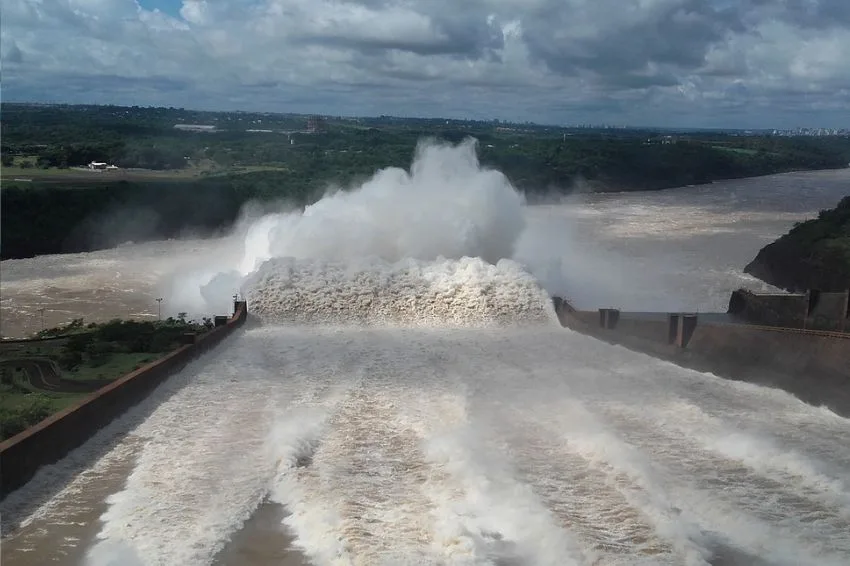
814, 255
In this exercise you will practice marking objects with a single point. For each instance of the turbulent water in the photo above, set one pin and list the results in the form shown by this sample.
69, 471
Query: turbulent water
410, 399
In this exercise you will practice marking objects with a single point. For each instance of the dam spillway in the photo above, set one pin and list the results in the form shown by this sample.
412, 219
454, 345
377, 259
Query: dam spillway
500, 442
531, 445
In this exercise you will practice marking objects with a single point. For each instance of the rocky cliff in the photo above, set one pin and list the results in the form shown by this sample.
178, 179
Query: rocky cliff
814, 255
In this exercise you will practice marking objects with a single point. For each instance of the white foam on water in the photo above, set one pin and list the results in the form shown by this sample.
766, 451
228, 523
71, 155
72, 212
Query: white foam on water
465, 292
487, 446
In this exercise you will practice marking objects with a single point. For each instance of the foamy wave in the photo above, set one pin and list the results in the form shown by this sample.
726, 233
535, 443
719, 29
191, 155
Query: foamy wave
464, 292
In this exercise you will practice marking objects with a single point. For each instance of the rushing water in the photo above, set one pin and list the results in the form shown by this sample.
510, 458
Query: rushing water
409, 409
464, 446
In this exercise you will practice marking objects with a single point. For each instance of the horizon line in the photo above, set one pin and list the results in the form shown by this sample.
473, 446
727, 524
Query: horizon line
602, 125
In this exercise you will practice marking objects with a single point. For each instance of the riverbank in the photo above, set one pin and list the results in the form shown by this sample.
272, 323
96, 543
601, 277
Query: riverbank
813, 255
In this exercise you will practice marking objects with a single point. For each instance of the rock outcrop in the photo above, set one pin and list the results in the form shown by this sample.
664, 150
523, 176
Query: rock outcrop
814, 255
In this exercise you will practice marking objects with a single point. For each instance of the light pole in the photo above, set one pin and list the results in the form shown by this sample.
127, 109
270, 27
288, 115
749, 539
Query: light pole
159, 308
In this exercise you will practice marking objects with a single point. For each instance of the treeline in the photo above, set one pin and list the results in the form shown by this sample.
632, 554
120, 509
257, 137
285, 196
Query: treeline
78, 155
100, 341
47, 218
535, 158
814, 255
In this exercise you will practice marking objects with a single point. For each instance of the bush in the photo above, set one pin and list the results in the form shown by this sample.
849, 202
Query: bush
14, 421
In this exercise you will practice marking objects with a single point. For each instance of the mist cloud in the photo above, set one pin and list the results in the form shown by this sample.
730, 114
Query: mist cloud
430, 221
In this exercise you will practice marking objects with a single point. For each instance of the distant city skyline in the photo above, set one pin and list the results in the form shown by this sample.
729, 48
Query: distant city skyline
720, 64
797, 131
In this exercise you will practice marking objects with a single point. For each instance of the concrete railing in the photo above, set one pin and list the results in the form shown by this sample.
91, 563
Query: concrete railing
53, 438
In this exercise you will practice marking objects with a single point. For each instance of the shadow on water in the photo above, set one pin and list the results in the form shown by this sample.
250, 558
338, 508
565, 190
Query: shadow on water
50, 480
263, 539
728, 556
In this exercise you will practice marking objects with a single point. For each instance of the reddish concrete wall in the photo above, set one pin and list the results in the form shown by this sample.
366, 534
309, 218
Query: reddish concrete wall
53, 438
815, 366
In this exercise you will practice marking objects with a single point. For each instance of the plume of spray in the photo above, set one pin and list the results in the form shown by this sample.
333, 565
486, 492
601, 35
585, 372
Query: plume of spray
445, 206
397, 226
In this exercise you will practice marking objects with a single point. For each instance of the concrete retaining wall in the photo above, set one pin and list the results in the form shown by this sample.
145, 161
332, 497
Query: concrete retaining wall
788, 311
814, 366
828, 311
53, 438
814, 310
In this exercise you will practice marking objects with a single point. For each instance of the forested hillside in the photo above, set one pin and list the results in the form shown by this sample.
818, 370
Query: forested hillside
814, 255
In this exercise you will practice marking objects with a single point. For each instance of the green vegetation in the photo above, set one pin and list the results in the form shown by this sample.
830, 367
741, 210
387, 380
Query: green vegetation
814, 255
171, 181
41, 377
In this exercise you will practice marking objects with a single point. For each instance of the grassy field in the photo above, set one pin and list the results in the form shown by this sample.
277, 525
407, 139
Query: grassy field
22, 405
108, 368
31, 348
111, 368
41, 377
71, 175
740, 150
54, 175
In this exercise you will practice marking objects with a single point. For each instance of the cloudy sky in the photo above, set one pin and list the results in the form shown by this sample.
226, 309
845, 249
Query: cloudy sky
701, 63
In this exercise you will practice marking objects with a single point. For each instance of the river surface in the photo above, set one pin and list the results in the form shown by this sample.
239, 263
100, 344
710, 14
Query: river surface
509, 444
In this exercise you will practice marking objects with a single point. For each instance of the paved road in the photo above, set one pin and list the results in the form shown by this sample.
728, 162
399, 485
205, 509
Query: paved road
44, 375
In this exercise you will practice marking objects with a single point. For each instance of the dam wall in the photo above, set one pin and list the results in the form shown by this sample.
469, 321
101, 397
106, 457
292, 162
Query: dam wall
53, 438
829, 311
813, 310
812, 365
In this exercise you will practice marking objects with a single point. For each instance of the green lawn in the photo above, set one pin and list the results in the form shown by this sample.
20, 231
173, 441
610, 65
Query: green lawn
188, 174
96, 354
244, 170
740, 150
32, 349
112, 367
21, 407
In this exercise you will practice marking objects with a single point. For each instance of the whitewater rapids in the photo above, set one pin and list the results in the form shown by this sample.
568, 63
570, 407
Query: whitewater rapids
496, 446
514, 442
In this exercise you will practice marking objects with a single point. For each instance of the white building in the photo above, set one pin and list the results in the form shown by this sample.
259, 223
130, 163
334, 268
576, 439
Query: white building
194, 127
101, 166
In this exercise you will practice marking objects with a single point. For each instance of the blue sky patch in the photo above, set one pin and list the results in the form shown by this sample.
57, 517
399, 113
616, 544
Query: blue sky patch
170, 7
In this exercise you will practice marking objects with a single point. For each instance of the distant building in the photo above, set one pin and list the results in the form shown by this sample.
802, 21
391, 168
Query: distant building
101, 166
194, 127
